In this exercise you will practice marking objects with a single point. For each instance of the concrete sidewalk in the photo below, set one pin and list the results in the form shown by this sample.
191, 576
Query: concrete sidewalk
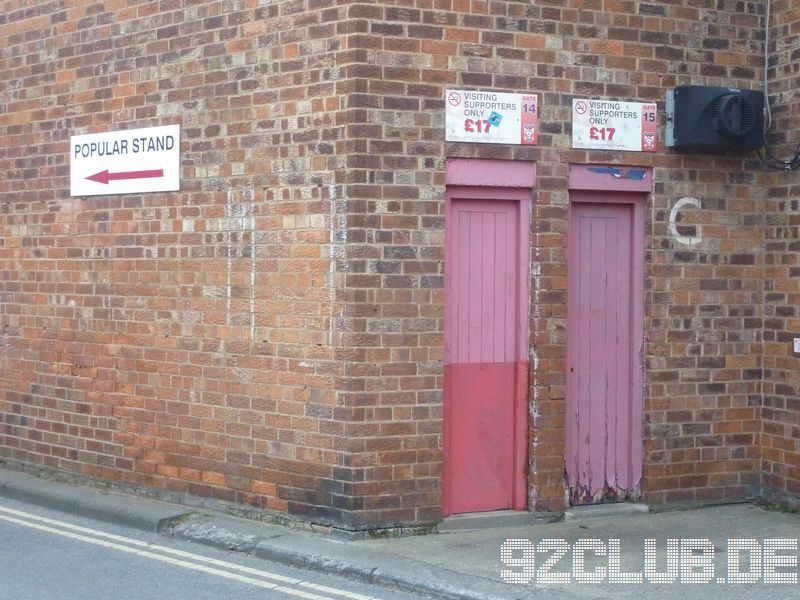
465, 563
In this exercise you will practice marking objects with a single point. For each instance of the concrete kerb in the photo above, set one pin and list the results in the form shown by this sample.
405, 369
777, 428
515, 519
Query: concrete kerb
313, 552
270, 542
386, 570
129, 511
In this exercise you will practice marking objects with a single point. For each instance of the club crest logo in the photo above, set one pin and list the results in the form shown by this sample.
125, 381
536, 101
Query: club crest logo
528, 132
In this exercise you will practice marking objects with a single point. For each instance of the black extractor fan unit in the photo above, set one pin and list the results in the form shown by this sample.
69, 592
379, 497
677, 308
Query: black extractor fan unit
714, 119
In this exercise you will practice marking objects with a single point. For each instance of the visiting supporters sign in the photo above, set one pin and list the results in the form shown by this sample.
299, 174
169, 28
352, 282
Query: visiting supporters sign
612, 125
491, 117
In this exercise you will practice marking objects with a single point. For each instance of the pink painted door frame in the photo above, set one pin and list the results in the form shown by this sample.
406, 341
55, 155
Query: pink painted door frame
605, 332
486, 378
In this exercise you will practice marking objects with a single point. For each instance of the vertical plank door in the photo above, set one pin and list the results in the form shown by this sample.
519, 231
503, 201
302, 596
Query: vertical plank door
603, 456
482, 304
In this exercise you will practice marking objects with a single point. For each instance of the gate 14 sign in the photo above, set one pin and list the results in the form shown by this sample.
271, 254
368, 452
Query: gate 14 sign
491, 117
612, 125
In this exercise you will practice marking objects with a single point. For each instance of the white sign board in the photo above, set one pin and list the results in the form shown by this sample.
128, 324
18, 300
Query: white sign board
491, 117
612, 125
131, 161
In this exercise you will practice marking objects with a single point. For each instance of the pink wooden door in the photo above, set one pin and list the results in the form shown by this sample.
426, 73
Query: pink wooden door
604, 337
483, 367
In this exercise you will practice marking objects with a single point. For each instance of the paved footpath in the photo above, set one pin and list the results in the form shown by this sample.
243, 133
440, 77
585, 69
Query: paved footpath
735, 552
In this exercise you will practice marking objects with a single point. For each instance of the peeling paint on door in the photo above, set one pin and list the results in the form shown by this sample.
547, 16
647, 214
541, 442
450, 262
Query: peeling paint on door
604, 395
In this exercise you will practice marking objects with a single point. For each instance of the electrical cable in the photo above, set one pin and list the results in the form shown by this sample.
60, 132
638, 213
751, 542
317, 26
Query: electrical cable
767, 158
767, 110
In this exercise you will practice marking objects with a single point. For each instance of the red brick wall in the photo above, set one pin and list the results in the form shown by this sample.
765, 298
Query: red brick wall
703, 313
781, 427
186, 341
272, 334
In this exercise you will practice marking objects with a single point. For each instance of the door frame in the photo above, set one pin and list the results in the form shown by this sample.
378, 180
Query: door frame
480, 179
619, 185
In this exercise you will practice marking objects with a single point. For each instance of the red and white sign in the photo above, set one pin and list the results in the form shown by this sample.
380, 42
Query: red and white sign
491, 117
130, 161
612, 125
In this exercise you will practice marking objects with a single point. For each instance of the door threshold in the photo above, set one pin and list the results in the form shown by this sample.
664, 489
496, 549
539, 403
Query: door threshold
605, 511
495, 519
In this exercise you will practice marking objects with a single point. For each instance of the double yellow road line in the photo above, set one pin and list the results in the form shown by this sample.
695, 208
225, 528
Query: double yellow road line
291, 586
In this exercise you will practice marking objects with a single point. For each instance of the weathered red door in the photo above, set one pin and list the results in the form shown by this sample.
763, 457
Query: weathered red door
485, 368
604, 342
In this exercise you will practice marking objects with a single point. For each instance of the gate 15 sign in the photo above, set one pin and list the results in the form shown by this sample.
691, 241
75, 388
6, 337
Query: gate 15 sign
491, 117
612, 125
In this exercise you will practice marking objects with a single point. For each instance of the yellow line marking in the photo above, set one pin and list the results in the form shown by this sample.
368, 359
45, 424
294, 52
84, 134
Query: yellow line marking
152, 548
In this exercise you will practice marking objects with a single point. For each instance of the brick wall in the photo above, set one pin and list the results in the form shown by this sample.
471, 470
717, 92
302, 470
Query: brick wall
185, 342
272, 334
703, 313
781, 427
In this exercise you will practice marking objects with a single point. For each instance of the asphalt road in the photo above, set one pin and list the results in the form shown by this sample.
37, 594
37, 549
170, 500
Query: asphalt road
48, 555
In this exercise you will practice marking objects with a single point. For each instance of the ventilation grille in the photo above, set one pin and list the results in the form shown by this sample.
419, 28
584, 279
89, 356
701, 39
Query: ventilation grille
733, 116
